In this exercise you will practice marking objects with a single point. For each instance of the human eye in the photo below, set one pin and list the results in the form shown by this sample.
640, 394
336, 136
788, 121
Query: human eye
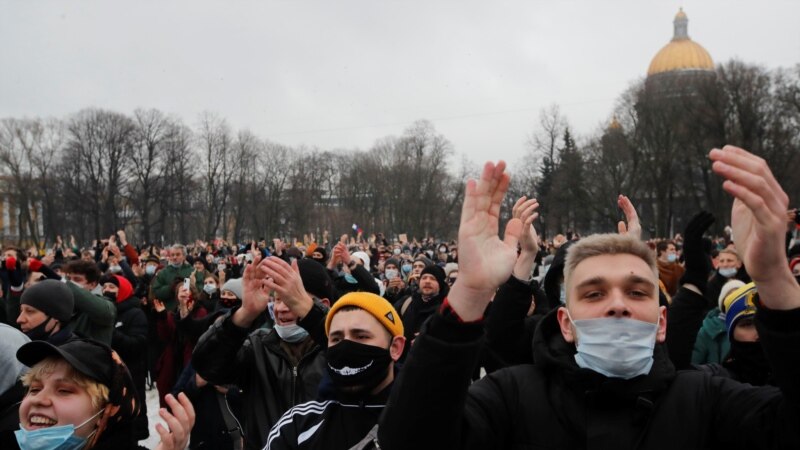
593, 294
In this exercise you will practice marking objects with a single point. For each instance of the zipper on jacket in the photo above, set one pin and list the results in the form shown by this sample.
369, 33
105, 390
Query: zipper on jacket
294, 383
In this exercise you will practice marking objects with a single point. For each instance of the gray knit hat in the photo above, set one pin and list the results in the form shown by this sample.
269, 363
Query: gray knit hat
235, 286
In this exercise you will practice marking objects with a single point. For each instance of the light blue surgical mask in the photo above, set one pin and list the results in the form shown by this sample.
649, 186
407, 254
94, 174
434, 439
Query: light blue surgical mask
728, 272
291, 333
175, 265
210, 288
616, 348
350, 279
672, 257
52, 438
150, 270
407, 268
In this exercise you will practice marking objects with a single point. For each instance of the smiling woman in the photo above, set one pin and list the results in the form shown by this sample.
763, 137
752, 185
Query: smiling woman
80, 395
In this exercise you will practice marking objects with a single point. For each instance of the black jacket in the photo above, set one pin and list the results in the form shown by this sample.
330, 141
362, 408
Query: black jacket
259, 365
509, 330
556, 404
333, 424
130, 342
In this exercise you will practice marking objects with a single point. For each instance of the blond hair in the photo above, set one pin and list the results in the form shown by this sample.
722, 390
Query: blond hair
97, 391
607, 244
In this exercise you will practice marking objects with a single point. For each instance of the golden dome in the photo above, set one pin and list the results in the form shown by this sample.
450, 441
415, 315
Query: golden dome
682, 53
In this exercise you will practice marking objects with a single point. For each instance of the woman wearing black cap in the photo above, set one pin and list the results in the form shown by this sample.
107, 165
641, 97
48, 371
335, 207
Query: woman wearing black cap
81, 396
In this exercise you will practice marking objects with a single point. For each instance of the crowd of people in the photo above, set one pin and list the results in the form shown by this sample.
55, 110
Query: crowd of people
484, 341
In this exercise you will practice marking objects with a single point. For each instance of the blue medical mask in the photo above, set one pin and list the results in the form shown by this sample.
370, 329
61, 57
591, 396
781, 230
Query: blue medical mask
210, 288
52, 438
672, 257
350, 279
728, 272
175, 265
150, 270
616, 348
407, 268
291, 333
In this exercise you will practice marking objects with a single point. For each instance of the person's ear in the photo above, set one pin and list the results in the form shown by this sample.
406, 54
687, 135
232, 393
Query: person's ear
396, 347
325, 302
661, 333
566, 325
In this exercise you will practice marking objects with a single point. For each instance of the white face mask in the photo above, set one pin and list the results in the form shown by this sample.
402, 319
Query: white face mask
291, 333
616, 348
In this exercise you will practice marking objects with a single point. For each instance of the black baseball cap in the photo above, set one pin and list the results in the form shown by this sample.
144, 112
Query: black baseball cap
94, 360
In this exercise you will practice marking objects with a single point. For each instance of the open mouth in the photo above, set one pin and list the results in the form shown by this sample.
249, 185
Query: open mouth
39, 421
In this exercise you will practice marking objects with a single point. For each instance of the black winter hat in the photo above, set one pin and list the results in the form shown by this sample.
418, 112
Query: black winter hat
394, 261
51, 297
437, 273
321, 250
316, 280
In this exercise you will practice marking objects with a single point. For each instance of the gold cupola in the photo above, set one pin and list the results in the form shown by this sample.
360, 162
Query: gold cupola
682, 53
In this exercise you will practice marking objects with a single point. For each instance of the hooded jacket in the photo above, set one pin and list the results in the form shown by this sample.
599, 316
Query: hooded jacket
555, 404
261, 367
712, 345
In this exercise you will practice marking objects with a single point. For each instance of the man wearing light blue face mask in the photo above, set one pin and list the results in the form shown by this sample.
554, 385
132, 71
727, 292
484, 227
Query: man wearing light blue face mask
670, 270
600, 377
278, 368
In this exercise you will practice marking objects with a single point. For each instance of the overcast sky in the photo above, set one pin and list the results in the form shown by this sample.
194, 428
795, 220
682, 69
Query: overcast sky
341, 74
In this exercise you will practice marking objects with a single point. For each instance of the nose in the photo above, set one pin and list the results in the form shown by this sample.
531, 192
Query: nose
617, 307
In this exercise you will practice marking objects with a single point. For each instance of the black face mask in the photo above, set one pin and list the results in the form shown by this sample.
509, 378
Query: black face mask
229, 302
39, 332
111, 296
357, 366
749, 353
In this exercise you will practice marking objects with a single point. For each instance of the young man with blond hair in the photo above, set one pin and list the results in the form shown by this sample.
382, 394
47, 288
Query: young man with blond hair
600, 378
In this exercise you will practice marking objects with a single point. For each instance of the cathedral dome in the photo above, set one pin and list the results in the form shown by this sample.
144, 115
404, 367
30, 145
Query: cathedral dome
682, 53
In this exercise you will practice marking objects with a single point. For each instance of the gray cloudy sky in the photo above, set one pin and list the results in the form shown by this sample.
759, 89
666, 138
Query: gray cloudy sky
341, 74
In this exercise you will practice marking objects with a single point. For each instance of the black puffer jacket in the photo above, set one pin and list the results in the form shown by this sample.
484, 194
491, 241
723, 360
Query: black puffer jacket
556, 404
259, 365
130, 342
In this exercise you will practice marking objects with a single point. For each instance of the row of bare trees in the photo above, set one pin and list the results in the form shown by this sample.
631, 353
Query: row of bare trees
163, 181
98, 171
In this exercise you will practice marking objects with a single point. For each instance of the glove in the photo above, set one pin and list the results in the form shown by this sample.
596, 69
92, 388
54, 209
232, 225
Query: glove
698, 262
34, 265
15, 276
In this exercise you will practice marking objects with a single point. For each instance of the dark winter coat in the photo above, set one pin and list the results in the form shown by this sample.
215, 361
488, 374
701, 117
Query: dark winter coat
258, 363
177, 349
556, 404
130, 342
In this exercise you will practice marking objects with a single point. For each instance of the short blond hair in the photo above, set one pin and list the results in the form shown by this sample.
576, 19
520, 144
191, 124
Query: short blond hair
607, 244
96, 390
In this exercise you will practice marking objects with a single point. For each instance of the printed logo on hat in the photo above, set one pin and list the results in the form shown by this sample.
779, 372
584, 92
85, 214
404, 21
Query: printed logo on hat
390, 316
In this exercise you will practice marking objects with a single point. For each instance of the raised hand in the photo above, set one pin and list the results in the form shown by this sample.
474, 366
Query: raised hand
698, 264
633, 227
285, 280
255, 294
525, 210
758, 218
485, 261
175, 436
